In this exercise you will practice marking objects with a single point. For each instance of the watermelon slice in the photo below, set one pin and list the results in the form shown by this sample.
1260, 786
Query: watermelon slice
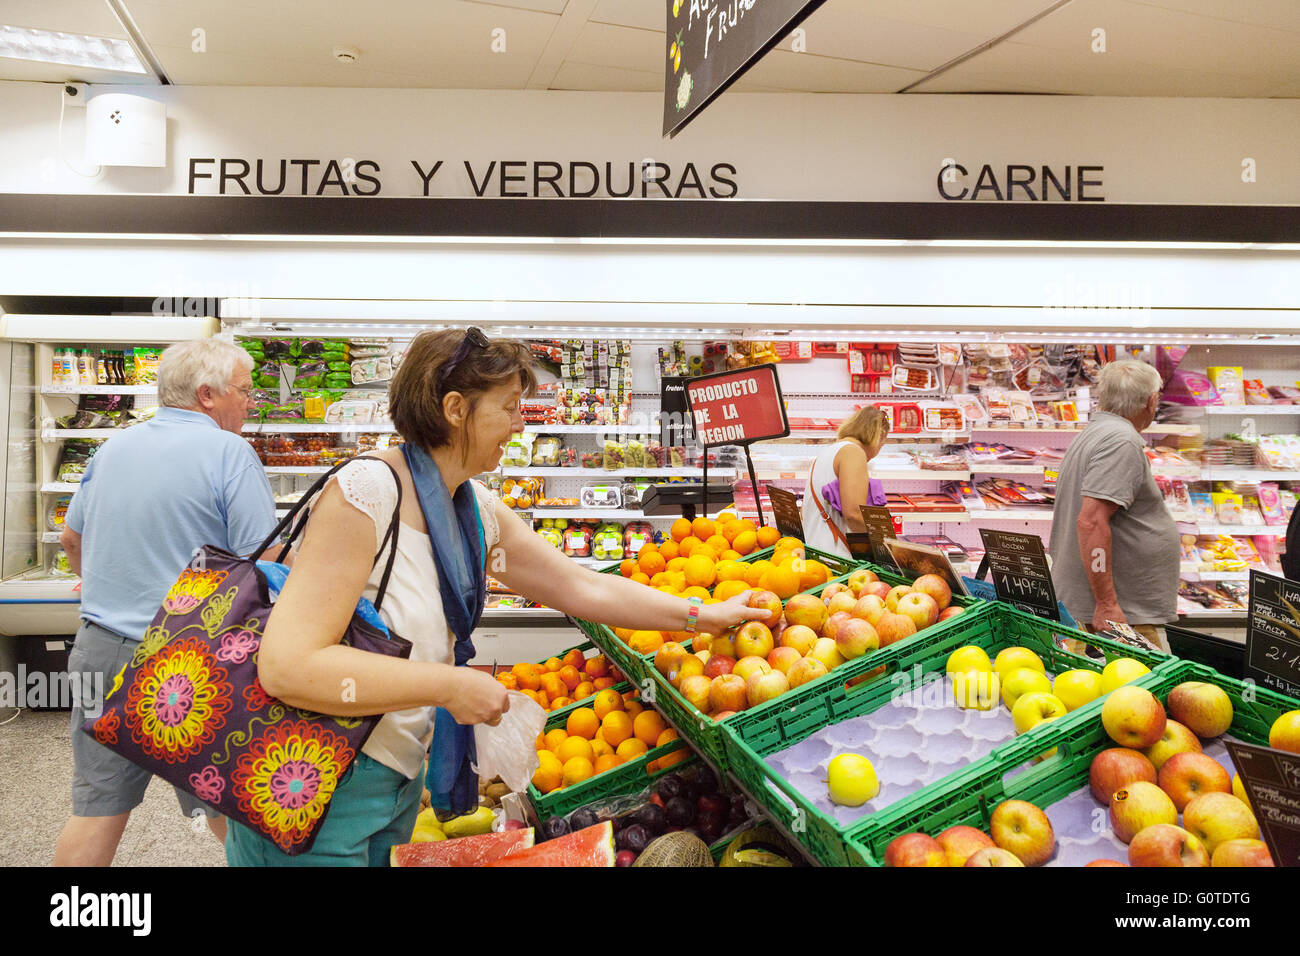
593, 846
463, 851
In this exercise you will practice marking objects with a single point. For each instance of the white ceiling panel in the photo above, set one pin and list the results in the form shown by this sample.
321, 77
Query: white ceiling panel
592, 76
645, 14
1279, 14
809, 73
846, 32
538, 6
600, 44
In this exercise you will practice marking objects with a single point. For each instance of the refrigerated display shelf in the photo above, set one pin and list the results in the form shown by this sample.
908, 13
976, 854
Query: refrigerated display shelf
71, 391
601, 473
319, 428
59, 487
61, 434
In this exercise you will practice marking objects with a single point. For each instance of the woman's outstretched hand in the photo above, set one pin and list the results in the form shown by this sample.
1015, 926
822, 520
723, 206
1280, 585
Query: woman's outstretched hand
720, 618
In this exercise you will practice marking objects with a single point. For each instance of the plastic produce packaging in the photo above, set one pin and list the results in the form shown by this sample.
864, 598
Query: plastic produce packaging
546, 451
509, 750
375, 369
601, 496
519, 451
57, 512
352, 412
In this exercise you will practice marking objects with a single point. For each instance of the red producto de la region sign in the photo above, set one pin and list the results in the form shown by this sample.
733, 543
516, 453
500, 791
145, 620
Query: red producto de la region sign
737, 407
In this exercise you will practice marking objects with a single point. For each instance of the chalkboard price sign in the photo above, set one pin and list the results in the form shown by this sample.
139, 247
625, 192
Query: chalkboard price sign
880, 527
789, 520
1273, 633
1018, 566
1272, 781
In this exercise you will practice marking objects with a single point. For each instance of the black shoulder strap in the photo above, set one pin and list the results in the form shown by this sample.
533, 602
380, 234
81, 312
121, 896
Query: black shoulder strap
303, 506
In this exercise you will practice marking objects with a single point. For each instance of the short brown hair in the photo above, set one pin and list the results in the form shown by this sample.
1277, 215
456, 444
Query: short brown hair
868, 425
415, 393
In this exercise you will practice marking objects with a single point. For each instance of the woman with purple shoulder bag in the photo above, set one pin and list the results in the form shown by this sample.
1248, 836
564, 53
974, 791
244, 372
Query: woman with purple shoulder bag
839, 483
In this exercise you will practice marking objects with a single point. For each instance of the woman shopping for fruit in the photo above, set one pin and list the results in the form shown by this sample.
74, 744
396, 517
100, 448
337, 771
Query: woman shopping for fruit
838, 484
456, 402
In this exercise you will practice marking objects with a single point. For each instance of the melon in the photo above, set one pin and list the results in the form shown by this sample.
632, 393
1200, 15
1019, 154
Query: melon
465, 851
593, 846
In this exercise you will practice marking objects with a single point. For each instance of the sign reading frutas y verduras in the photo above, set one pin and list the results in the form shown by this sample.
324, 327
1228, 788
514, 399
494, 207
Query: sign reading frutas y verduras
1273, 633
737, 407
710, 43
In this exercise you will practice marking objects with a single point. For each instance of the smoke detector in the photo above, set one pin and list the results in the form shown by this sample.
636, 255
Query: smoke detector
346, 54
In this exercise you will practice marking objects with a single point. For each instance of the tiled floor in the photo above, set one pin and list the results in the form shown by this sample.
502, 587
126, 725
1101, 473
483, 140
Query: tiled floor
36, 798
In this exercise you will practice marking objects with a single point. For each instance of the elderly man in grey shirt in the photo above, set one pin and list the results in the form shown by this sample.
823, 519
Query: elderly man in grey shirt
1115, 547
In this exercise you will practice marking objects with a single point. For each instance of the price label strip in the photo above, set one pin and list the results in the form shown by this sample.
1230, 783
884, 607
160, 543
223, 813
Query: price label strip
1272, 781
1018, 567
789, 520
1273, 633
880, 528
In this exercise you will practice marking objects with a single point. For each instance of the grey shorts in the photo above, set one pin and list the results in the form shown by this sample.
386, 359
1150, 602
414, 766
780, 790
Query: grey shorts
104, 784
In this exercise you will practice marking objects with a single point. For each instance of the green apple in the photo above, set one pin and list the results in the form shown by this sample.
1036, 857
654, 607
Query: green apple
1013, 658
1031, 710
968, 658
976, 690
1121, 671
1022, 680
1076, 688
851, 780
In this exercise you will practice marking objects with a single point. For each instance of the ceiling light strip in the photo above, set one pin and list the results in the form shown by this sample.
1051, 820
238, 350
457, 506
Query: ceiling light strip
141, 45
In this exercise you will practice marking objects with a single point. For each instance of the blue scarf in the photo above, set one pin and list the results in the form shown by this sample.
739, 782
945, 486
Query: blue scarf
458, 554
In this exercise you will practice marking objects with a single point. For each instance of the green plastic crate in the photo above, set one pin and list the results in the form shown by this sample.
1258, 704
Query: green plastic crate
627, 777
753, 735
970, 797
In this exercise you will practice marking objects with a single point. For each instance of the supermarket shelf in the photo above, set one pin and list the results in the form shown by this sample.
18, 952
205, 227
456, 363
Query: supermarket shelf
993, 468
318, 428
602, 514
1244, 530
1250, 409
50, 537
59, 487
61, 434
651, 428
1011, 514
1211, 473
1215, 614
1218, 575
596, 563
1054, 428
935, 517
919, 474
600, 473
72, 391
521, 614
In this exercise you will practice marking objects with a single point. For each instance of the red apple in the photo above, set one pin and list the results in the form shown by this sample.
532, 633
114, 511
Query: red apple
696, 691
1176, 739
747, 667
718, 664
799, 638
893, 628
724, 714
831, 590
724, 644
783, 658
1241, 852
768, 602
806, 669
762, 687
936, 587
869, 608
1205, 709
833, 623
860, 578
951, 611
1104, 863
960, 842
1285, 732
920, 608
896, 594
1138, 806
669, 658
1024, 830
856, 637
1163, 844
844, 601
1216, 818
692, 666
1133, 717
753, 639
915, 849
880, 589
806, 609
1116, 768
728, 693
991, 856
1186, 776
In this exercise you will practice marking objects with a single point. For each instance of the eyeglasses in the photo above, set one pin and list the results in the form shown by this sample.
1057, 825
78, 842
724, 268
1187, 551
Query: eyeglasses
246, 392
474, 338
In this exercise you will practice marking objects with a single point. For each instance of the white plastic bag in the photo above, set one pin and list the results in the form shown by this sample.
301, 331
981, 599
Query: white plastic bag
509, 750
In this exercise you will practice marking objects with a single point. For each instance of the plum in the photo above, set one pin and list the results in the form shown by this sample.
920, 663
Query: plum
624, 858
669, 787
555, 827
581, 819
680, 812
634, 838
652, 817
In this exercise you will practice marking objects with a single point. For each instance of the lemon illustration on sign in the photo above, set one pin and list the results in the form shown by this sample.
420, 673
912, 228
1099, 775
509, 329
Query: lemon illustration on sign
677, 7
851, 780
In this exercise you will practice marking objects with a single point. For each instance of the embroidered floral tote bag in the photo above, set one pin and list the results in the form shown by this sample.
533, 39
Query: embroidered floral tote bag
188, 705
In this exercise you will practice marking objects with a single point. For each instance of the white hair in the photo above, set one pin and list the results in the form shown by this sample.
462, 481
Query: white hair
188, 366
1125, 387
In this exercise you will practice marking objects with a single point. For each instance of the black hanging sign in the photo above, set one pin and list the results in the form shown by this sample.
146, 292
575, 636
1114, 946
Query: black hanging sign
1021, 577
785, 509
1273, 633
711, 43
880, 527
675, 410
1272, 781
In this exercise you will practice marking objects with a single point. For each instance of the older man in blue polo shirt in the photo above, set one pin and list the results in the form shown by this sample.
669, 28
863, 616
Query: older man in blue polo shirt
150, 497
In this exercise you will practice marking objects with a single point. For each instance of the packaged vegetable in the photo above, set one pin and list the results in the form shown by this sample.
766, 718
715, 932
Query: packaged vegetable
146, 365
377, 369
278, 349
338, 380
519, 451
57, 512
351, 411
546, 451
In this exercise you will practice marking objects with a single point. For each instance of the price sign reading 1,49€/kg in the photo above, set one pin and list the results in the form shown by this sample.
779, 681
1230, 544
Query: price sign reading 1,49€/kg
1018, 566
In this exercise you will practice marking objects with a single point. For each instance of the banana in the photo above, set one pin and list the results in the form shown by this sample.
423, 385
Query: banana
471, 824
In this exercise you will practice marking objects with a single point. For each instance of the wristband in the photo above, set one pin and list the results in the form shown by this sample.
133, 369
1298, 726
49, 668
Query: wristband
693, 614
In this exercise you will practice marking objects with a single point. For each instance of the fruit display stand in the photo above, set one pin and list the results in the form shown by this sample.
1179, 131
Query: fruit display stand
707, 734
923, 746
587, 650
1059, 783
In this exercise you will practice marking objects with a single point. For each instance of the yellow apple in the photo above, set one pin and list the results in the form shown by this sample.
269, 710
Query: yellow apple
1014, 658
1241, 853
976, 690
1022, 680
851, 780
1133, 717
1076, 688
1218, 817
968, 658
1285, 732
826, 652
1239, 791
1138, 806
1030, 710
1121, 671
1023, 829
1205, 709
1176, 739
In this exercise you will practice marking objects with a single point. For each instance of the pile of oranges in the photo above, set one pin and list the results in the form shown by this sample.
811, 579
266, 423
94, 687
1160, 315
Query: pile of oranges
703, 559
559, 682
614, 730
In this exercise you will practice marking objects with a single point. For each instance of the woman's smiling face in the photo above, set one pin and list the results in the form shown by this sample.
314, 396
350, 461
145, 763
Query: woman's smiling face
496, 418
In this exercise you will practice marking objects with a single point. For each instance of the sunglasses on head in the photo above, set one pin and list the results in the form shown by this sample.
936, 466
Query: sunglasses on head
474, 338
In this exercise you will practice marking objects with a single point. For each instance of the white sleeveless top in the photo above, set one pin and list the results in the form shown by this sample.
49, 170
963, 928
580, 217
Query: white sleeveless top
412, 606
816, 533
